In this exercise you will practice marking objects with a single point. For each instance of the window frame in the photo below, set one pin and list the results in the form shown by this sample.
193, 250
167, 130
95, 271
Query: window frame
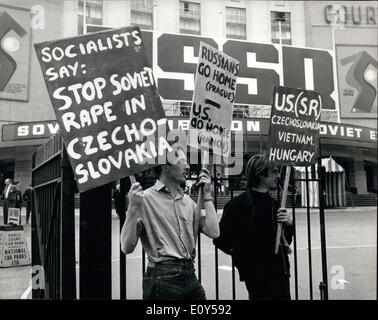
83, 18
284, 25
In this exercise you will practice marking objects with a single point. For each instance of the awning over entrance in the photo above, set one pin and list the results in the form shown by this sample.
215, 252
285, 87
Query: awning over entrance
335, 196
329, 163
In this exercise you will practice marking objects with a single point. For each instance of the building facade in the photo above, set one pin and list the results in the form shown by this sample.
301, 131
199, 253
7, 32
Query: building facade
351, 29
260, 30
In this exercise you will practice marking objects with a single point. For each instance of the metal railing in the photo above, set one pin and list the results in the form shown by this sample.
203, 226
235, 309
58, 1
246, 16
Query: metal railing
53, 229
53, 237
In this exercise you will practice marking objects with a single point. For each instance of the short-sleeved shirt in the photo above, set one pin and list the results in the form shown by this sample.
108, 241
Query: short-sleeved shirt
168, 226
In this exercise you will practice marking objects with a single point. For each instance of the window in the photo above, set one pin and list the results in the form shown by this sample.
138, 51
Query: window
236, 23
186, 7
281, 21
142, 14
185, 108
240, 111
93, 13
190, 17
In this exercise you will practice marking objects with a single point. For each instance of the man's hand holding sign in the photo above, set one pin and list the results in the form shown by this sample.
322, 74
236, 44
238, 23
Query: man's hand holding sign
293, 138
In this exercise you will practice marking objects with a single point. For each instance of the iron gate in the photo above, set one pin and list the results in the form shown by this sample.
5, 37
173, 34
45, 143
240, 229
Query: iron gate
53, 230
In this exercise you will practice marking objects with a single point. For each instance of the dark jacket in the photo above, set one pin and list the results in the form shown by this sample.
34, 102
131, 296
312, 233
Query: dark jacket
11, 195
28, 195
235, 227
18, 198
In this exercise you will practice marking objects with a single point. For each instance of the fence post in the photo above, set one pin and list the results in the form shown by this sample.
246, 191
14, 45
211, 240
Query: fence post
96, 243
231, 186
216, 248
309, 233
324, 284
122, 264
67, 232
37, 292
295, 242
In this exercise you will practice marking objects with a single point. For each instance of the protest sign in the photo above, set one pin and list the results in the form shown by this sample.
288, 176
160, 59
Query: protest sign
13, 247
293, 135
213, 100
105, 99
14, 216
294, 127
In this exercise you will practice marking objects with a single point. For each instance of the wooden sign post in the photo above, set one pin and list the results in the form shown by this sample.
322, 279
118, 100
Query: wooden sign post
283, 205
205, 163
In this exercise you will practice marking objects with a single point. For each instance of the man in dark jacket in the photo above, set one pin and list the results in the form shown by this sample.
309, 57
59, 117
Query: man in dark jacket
17, 197
8, 197
248, 231
27, 197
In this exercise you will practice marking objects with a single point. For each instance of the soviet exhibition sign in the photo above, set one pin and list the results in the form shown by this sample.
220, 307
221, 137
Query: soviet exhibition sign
257, 127
104, 96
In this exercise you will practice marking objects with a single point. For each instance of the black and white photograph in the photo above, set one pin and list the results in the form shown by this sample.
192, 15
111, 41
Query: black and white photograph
188, 157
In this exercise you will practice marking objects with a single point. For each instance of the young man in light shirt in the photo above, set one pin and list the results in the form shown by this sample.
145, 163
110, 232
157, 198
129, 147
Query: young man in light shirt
168, 223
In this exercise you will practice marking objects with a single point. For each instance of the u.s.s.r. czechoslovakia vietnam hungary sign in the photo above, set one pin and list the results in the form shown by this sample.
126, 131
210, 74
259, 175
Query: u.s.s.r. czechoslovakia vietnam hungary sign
294, 127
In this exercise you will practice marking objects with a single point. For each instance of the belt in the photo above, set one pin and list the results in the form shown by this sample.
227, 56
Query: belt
172, 262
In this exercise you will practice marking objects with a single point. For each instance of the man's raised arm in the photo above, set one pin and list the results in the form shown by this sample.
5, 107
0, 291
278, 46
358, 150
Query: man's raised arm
130, 233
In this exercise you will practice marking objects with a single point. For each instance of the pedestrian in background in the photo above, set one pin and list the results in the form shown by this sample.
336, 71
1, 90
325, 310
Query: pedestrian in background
219, 183
27, 197
18, 197
8, 197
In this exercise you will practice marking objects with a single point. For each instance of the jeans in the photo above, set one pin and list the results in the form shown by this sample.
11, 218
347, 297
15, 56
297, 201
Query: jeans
172, 280
28, 210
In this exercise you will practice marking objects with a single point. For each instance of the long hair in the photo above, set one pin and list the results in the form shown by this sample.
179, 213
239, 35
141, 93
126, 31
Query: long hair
256, 166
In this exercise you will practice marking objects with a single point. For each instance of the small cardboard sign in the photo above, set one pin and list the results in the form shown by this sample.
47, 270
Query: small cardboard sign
294, 127
105, 99
13, 247
213, 100
14, 216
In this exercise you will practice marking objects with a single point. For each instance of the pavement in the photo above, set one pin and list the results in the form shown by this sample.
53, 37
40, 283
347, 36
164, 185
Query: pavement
351, 236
